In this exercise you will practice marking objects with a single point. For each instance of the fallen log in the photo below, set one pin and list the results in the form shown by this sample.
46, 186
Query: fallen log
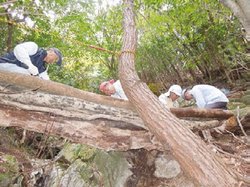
246, 120
80, 116
81, 121
97, 133
17, 82
202, 113
21, 82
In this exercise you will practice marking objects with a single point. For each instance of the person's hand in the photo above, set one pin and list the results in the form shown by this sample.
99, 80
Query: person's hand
33, 70
44, 75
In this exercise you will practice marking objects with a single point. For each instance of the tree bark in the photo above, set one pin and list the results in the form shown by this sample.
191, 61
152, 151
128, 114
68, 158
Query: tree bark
17, 81
100, 126
10, 32
195, 158
241, 9
202, 113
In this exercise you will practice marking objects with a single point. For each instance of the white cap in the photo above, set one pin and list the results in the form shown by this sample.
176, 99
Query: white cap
175, 89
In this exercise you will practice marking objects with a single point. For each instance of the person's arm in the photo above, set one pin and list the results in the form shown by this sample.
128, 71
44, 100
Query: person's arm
121, 93
119, 90
166, 101
198, 96
163, 99
23, 52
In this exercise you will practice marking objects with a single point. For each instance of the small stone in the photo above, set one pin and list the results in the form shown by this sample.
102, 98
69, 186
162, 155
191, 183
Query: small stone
166, 167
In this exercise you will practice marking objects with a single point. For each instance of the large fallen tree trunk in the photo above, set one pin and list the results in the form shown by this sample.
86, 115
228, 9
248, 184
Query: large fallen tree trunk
20, 82
84, 117
16, 81
81, 121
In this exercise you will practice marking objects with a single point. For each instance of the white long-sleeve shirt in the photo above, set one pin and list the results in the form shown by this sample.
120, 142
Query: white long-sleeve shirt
164, 99
119, 93
207, 94
23, 52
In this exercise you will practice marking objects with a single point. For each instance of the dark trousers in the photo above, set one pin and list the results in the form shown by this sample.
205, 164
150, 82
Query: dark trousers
219, 105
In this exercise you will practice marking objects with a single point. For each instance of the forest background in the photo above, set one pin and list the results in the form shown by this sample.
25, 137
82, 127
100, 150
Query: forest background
179, 42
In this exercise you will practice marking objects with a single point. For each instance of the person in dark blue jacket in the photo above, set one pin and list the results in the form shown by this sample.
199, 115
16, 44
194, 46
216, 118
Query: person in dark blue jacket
28, 58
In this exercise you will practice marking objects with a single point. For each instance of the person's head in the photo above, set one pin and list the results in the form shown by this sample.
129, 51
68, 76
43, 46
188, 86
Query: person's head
53, 56
186, 94
174, 92
107, 87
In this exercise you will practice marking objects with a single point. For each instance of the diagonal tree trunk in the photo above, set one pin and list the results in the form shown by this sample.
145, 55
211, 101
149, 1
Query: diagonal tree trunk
10, 32
193, 155
241, 9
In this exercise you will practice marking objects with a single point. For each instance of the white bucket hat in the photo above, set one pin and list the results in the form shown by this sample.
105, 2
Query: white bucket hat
175, 89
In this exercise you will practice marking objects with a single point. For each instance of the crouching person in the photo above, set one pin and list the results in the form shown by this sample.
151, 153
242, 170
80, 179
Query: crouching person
113, 89
28, 59
169, 99
206, 96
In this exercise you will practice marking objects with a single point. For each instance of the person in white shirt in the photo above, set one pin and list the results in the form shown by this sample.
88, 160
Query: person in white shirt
206, 96
113, 89
169, 99
28, 58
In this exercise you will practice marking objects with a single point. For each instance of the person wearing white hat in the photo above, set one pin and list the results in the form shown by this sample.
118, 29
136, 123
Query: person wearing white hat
206, 96
169, 99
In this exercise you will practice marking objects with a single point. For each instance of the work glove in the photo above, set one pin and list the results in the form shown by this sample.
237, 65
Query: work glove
33, 70
44, 75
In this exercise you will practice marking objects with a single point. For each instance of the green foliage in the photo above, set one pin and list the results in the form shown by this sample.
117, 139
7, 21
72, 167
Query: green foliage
8, 168
72, 152
86, 67
79, 71
186, 36
178, 41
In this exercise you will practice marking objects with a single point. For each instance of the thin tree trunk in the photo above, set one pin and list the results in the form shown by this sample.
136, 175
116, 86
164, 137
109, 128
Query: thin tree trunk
193, 74
206, 66
241, 8
193, 155
10, 32
176, 72
202, 70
